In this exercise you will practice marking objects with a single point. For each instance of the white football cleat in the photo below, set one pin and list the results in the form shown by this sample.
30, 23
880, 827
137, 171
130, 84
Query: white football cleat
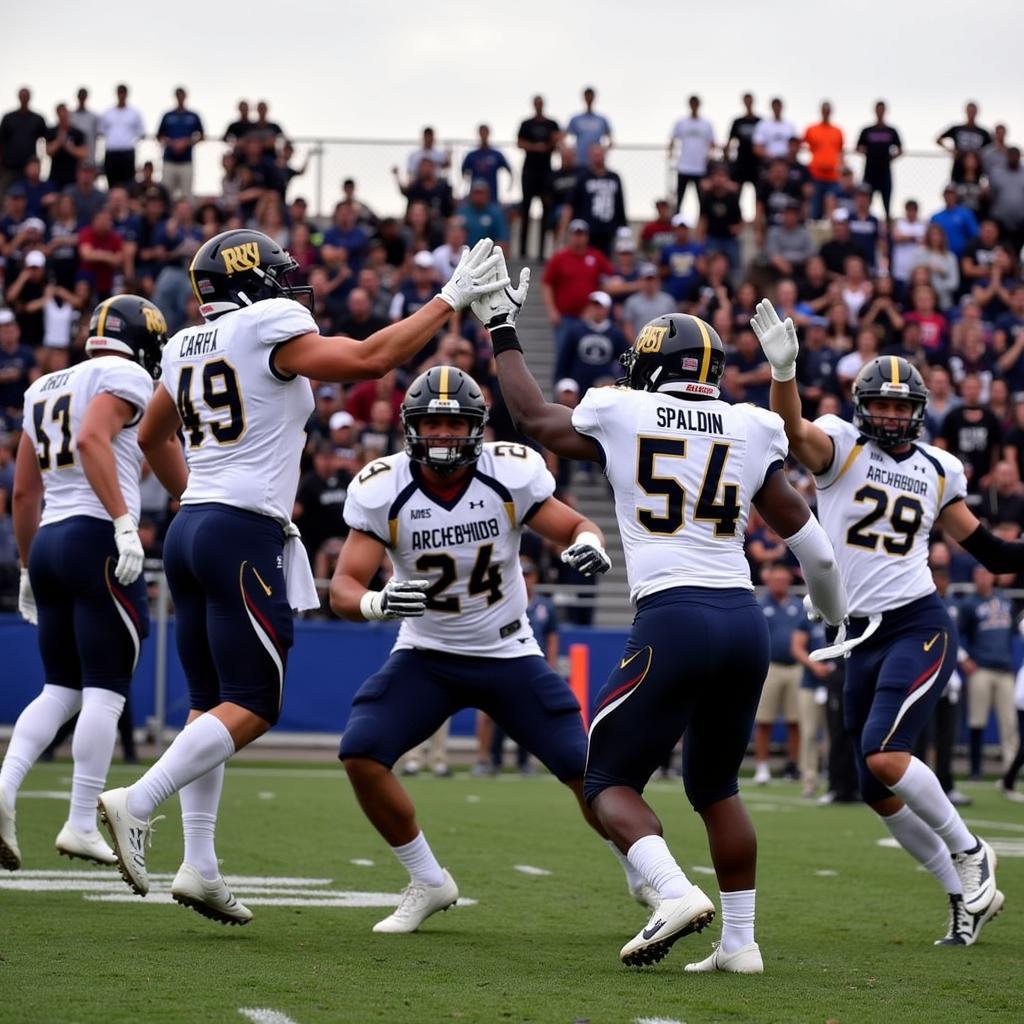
129, 836
645, 894
746, 960
418, 902
671, 920
211, 899
10, 855
977, 873
85, 845
964, 927
762, 775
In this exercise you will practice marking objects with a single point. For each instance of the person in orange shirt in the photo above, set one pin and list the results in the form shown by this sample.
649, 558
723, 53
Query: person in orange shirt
825, 141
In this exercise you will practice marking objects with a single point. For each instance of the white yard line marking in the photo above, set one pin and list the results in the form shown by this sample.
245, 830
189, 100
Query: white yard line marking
264, 1015
826, 873
528, 869
267, 796
1003, 847
472, 798
361, 862
702, 869
346, 900
44, 794
1006, 826
658, 1020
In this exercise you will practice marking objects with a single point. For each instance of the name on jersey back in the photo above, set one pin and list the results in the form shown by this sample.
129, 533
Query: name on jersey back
696, 420
200, 344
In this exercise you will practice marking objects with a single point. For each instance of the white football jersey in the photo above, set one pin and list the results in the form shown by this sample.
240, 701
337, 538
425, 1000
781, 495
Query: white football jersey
54, 407
879, 510
244, 424
684, 473
467, 547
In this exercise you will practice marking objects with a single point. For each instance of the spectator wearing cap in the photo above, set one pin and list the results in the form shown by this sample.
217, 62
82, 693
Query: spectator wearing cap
627, 274
772, 134
789, 245
17, 369
682, 261
20, 131
320, 498
694, 138
956, 220
657, 233
1006, 198
721, 220
743, 163
122, 128
179, 131
589, 128
538, 137
484, 162
590, 348
345, 233
88, 199
87, 122
880, 144
481, 216
598, 199
572, 274
968, 137
343, 438
101, 250
648, 302
825, 142
865, 229
66, 147
26, 296
840, 245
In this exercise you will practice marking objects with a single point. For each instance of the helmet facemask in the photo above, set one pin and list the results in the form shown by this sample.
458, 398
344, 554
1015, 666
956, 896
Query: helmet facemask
874, 426
444, 453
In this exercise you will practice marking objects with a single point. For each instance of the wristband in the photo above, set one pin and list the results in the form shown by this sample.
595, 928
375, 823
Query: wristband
504, 339
783, 375
589, 538
369, 606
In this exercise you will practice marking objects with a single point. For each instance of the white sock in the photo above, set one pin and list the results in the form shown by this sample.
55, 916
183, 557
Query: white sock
633, 877
200, 746
419, 860
920, 790
737, 919
91, 749
920, 840
654, 862
199, 802
33, 733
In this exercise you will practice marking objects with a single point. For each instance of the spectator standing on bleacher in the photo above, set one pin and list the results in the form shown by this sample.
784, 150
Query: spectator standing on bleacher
744, 165
538, 137
589, 128
484, 162
179, 132
772, 134
598, 199
693, 138
825, 142
20, 131
66, 147
1006, 199
721, 221
428, 150
121, 127
968, 137
956, 220
267, 131
87, 122
880, 144
239, 128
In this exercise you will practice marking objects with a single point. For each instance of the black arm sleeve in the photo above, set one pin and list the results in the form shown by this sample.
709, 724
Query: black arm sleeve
996, 554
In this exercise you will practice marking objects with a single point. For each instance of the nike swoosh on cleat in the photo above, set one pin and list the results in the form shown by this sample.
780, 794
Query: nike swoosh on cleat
649, 933
928, 646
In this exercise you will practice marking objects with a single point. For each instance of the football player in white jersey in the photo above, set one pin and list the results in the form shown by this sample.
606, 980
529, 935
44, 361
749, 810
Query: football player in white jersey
685, 468
449, 512
76, 513
238, 388
880, 494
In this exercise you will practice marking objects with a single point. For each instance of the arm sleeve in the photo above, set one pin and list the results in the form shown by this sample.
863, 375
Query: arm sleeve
814, 551
996, 554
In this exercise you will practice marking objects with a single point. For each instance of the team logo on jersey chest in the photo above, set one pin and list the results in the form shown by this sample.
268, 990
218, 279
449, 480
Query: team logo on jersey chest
241, 257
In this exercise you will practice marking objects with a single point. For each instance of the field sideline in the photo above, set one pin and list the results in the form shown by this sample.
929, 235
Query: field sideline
845, 922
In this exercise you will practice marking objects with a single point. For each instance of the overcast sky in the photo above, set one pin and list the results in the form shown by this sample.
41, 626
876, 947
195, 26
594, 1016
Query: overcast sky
384, 69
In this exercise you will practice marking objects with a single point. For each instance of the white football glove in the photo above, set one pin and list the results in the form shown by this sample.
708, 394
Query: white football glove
587, 555
129, 550
400, 599
474, 276
501, 308
26, 599
778, 340
812, 613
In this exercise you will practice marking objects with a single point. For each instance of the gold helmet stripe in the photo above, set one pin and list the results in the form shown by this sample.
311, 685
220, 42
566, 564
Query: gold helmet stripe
705, 363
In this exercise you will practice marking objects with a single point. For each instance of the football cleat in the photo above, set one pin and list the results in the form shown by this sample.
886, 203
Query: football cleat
964, 927
129, 837
84, 845
746, 960
762, 775
418, 902
645, 894
1009, 792
212, 899
977, 873
10, 855
671, 920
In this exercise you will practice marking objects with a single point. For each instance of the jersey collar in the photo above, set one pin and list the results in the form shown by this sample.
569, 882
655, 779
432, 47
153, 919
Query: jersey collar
446, 503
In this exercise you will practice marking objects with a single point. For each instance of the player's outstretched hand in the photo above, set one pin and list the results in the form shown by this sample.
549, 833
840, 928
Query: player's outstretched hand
501, 307
778, 339
587, 556
129, 550
26, 599
474, 276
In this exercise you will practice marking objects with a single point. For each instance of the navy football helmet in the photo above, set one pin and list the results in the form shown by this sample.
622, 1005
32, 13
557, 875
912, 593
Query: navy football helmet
678, 350
131, 326
448, 391
889, 377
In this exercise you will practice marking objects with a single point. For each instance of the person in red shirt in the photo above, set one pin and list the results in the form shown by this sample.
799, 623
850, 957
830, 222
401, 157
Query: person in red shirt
361, 398
825, 141
658, 233
101, 250
572, 274
931, 322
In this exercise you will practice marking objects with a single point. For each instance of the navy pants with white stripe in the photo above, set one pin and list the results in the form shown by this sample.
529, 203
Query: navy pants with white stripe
894, 680
91, 627
233, 625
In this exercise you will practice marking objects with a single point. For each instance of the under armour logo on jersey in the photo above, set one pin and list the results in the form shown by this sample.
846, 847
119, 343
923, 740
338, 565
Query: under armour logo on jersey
241, 257
477, 504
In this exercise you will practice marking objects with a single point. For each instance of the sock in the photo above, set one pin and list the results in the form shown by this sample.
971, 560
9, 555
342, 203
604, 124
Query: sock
920, 790
633, 877
654, 862
419, 860
91, 749
924, 845
199, 802
738, 919
33, 732
200, 746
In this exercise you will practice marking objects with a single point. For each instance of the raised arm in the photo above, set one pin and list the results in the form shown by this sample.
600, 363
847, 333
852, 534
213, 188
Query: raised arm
810, 444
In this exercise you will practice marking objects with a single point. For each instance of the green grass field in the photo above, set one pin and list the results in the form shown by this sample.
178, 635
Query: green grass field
845, 925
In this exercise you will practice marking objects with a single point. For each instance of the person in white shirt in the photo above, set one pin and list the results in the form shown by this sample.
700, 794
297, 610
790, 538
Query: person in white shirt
696, 138
121, 127
907, 237
428, 151
87, 123
772, 135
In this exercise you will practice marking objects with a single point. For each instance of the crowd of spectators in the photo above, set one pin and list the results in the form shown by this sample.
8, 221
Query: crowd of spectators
938, 282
